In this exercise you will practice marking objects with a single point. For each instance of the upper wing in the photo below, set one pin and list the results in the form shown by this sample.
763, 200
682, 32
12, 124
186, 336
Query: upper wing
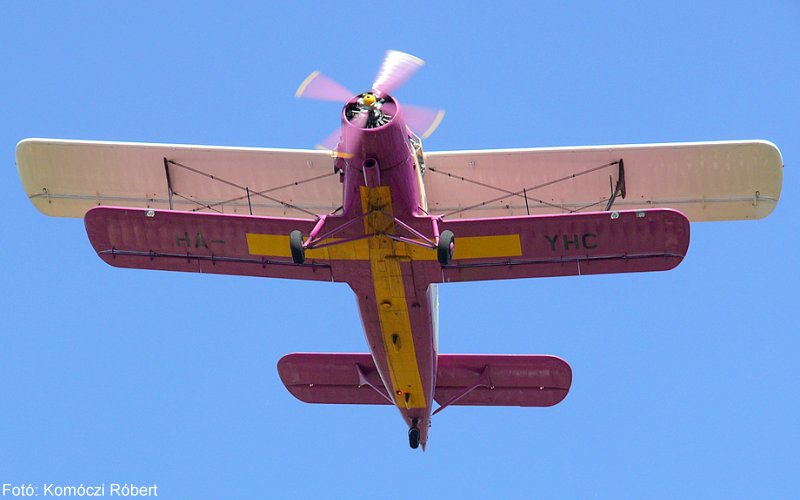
705, 181
67, 178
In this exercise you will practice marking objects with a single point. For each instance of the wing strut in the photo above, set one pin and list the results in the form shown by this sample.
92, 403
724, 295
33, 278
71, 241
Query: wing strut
619, 189
362, 381
244, 189
315, 240
523, 193
169, 182
484, 380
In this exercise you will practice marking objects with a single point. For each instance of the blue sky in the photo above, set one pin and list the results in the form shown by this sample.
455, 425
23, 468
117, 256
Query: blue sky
685, 382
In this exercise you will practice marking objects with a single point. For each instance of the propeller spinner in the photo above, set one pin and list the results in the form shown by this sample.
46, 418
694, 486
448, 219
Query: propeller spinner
371, 109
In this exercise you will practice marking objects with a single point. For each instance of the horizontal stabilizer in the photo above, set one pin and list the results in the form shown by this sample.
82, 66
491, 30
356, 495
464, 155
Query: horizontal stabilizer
462, 379
332, 378
501, 380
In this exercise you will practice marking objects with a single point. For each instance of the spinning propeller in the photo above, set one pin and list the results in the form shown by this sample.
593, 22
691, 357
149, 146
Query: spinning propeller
376, 107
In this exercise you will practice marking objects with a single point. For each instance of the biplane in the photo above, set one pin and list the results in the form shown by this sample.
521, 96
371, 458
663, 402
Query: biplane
374, 210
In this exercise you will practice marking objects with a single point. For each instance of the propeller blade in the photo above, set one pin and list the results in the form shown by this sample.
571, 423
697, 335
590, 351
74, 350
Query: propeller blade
332, 141
318, 86
423, 121
397, 67
353, 148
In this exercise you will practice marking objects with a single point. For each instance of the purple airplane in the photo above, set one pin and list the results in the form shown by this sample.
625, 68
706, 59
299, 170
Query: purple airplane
393, 222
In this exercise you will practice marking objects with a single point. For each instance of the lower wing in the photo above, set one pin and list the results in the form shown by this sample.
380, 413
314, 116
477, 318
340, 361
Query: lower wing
566, 245
203, 243
485, 249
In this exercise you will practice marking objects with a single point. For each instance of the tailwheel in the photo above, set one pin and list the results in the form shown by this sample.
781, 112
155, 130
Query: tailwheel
413, 435
296, 245
446, 246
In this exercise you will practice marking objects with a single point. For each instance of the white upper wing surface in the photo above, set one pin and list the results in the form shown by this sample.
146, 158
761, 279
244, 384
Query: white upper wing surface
67, 178
704, 180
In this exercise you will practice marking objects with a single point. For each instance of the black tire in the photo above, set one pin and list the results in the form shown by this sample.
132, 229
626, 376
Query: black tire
444, 249
413, 437
296, 244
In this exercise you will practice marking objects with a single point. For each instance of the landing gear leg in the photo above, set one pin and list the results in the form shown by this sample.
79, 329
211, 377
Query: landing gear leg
413, 435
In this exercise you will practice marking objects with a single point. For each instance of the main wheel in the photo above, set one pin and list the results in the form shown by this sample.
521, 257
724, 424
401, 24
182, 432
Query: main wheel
296, 244
413, 437
446, 246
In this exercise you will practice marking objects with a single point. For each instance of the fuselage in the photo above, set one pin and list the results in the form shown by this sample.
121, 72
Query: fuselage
381, 172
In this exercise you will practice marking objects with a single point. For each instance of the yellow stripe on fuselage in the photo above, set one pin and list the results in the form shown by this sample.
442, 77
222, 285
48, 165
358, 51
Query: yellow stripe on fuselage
385, 255
390, 295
